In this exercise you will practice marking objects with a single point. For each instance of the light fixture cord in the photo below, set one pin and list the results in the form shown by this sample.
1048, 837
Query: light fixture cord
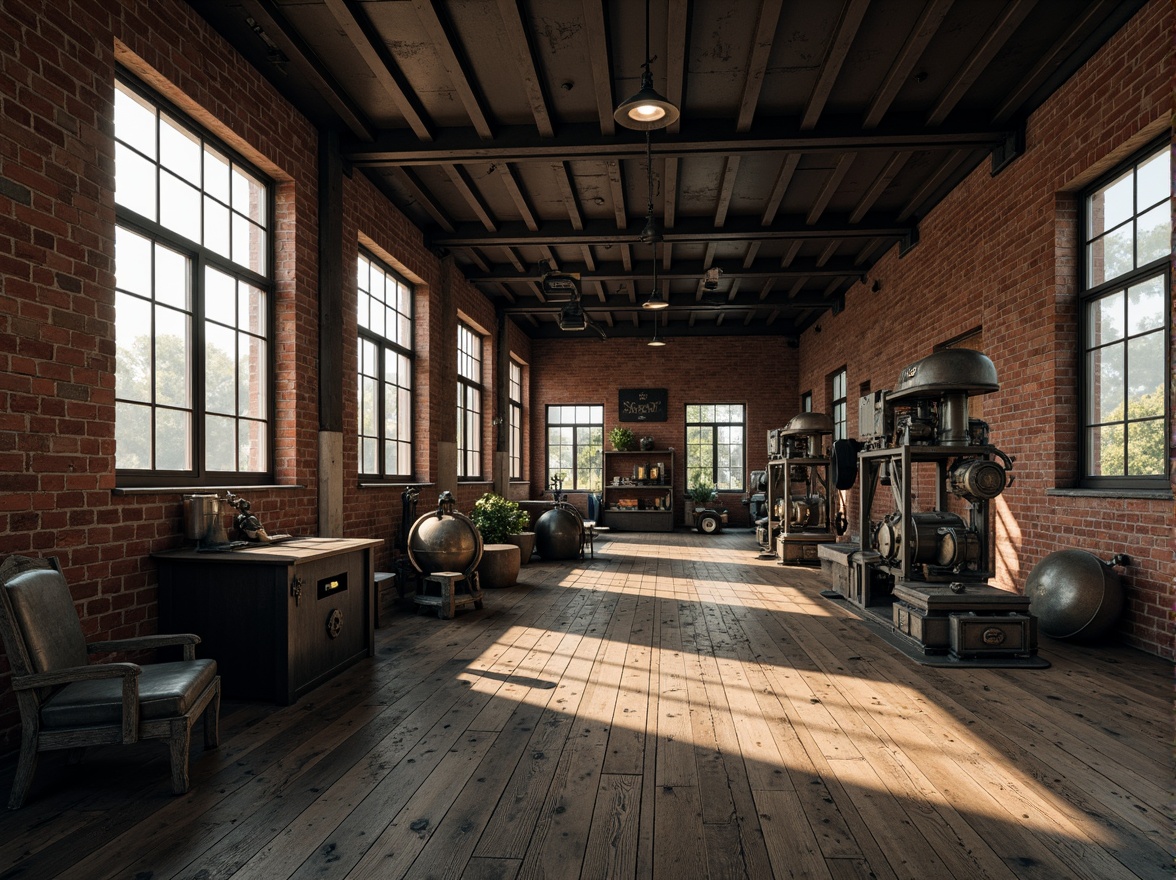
648, 177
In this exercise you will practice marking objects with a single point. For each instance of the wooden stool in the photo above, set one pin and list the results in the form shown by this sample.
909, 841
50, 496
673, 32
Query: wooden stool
591, 530
448, 591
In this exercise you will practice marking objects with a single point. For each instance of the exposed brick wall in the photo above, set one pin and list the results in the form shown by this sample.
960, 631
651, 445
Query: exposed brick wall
57, 478
759, 372
1000, 253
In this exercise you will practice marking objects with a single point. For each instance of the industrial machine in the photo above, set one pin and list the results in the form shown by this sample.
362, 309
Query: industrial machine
926, 566
798, 490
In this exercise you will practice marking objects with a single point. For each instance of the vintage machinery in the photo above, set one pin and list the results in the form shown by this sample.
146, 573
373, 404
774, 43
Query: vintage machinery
445, 547
927, 570
798, 493
559, 533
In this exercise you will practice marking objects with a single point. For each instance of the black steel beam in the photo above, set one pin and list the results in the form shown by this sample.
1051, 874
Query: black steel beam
742, 229
683, 270
584, 142
683, 302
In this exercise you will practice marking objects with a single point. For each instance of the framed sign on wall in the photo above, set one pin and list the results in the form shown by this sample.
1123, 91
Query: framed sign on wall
642, 404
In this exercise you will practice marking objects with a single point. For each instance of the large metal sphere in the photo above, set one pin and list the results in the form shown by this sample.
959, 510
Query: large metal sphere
1074, 595
557, 535
450, 542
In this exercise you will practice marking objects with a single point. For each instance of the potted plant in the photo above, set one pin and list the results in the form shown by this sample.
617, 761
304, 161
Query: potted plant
621, 439
701, 492
503, 526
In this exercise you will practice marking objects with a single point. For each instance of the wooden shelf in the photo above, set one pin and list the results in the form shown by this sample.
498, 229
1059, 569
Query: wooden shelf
620, 464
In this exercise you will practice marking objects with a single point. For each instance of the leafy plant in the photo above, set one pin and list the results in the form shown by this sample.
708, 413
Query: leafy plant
701, 490
621, 438
496, 517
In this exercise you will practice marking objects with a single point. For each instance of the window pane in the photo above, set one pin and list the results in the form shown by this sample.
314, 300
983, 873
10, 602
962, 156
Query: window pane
1105, 451
216, 227
220, 295
252, 309
179, 206
248, 196
1106, 383
1153, 180
132, 257
221, 435
248, 245
1112, 255
216, 175
173, 434
1153, 234
220, 359
1145, 448
251, 388
367, 456
179, 150
1145, 376
134, 120
173, 278
172, 357
132, 436
134, 182
133, 370
254, 440
1106, 319
1111, 205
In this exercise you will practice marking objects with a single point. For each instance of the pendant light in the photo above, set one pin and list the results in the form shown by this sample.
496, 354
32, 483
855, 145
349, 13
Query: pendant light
656, 300
657, 341
646, 110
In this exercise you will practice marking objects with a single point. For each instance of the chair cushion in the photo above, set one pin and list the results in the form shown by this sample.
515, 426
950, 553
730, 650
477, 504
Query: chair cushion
48, 619
166, 690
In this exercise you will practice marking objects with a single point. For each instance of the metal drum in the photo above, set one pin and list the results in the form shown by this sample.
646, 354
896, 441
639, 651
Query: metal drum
1074, 595
444, 540
558, 534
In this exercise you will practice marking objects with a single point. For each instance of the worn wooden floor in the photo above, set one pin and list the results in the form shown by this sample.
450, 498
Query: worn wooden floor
673, 708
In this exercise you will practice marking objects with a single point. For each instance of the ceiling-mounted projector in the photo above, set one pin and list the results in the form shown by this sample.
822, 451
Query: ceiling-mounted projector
560, 285
572, 317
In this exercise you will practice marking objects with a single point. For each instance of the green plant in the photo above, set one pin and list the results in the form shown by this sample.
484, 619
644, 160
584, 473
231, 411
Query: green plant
621, 438
701, 490
496, 517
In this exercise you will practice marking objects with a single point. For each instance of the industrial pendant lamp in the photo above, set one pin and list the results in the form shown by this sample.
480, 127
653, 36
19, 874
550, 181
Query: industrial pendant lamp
656, 300
646, 110
657, 341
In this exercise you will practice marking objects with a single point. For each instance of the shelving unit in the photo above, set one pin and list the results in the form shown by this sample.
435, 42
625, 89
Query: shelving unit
639, 488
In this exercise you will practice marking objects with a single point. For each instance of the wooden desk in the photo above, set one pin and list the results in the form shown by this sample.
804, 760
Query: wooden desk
279, 619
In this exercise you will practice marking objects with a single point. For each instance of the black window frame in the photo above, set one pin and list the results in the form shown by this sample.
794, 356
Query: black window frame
713, 426
839, 405
515, 420
469, 388
575, 483
201, 258
385, 346
1088, 294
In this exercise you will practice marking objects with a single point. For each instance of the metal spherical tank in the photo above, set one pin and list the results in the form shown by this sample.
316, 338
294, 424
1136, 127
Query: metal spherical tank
450, 542
557, 535
1074, 595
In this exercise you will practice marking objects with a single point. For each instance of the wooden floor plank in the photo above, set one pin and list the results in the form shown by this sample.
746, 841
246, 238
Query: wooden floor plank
674, 707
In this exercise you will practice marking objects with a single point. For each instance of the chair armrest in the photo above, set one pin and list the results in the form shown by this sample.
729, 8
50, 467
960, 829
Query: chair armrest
148, 643
128, 672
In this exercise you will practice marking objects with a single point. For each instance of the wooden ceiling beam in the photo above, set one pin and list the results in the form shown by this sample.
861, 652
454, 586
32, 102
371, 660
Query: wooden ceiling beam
456, 67
515, 191
830, 188
847, 27
1004, 27
596, 32
422, 197
358, 29
757, 61
879, 185
518, 39
465, 188
912, 50
270, 19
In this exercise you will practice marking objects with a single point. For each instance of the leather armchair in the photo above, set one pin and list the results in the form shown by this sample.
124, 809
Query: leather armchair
66, 702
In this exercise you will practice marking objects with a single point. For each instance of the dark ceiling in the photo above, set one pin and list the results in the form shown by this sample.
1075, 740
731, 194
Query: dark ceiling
813, 135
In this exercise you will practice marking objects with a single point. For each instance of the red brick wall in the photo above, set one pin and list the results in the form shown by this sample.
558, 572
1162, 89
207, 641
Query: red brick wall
58, 494
1000, 253
759, 372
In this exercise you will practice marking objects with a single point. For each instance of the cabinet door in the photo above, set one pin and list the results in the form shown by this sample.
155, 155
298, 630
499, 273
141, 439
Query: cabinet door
329, 624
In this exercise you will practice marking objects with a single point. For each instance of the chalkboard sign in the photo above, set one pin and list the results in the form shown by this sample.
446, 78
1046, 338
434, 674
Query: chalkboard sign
643, 405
